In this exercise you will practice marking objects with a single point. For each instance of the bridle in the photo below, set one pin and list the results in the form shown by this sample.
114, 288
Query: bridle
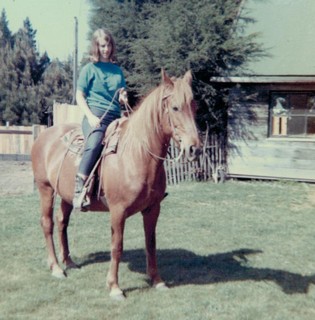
171, 123
174, 130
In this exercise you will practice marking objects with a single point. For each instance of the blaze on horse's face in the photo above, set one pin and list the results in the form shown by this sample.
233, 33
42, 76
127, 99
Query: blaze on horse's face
180, 114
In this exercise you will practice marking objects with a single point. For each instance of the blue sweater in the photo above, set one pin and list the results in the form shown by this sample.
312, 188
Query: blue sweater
99, 82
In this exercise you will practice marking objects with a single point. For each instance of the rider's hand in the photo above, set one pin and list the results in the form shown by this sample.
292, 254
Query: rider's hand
94, 121
123, 97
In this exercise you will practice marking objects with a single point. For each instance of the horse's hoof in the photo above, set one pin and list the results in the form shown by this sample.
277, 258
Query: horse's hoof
58, 273
72, 265
117, 295
161, 286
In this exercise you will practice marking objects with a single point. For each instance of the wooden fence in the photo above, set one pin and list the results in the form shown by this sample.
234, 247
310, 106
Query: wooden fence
16, 141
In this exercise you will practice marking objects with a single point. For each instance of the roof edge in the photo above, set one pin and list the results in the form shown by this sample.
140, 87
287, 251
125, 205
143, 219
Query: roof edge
266, 79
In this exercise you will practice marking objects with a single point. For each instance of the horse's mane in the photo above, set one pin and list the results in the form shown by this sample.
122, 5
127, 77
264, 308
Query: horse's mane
144, 124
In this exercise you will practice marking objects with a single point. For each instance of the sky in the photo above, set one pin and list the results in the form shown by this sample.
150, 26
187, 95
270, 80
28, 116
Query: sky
54, 22
286, 29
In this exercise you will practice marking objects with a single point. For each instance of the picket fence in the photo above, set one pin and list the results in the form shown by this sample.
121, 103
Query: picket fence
210, 165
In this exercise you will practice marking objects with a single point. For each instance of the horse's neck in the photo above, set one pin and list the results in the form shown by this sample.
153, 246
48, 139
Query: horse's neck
144, 138
159, 151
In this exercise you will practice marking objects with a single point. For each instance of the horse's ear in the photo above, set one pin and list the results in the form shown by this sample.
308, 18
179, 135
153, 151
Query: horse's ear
188, 77
165, 78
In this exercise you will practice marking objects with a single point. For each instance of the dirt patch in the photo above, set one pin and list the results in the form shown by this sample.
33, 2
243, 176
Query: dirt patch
16, 177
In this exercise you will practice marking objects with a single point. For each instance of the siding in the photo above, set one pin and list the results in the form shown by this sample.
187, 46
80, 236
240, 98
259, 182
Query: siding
252, 154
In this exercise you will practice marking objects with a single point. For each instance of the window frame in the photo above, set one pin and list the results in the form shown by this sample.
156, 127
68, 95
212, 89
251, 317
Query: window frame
279, 119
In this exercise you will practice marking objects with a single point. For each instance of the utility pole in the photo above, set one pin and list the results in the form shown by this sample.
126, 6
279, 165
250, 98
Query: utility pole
75, 60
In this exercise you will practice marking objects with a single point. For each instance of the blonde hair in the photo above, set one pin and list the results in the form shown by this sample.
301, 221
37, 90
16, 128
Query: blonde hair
94, 51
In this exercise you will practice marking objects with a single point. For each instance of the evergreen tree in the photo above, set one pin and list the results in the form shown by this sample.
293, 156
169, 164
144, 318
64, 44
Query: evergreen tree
30, 33
25, 93
55, 85
5, 33
22, 61
178, 35
25, 50
42, 64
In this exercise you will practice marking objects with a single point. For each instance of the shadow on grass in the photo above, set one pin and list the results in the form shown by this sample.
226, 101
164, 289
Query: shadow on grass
181, 267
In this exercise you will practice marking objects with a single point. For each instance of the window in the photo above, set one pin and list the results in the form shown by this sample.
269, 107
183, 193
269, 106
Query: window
292, 114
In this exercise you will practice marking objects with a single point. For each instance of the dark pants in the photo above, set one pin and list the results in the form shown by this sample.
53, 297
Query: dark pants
93, 140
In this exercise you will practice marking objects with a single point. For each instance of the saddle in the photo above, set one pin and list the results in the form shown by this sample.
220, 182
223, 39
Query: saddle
74, 140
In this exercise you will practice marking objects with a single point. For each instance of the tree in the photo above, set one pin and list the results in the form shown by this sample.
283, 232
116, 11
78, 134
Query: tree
29, 82
178, 35
21, 62
25, 46
29, 33
5, 33
55, 85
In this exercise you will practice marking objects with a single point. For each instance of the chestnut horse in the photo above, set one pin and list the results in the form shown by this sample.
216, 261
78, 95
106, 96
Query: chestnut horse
132, 179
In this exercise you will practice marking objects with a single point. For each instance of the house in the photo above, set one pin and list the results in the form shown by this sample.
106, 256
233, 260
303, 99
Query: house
271, 133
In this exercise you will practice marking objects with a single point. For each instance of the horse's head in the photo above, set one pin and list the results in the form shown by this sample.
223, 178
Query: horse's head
179, 114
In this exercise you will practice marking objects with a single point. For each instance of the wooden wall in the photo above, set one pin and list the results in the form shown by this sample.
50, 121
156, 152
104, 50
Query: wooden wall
16, 141
66, 113
252, 153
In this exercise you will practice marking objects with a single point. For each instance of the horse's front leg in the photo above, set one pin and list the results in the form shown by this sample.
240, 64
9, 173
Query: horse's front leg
150, 218
117, 229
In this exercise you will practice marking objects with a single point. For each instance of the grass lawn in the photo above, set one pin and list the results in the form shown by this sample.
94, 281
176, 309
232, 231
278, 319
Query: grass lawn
238, 250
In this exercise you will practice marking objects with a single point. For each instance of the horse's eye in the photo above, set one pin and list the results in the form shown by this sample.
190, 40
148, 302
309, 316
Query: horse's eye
175, 108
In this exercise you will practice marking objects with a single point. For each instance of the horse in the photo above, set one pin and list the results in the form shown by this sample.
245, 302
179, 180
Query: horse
132, 179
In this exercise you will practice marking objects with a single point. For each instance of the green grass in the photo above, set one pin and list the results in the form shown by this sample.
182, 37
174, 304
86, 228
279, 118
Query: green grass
238, 250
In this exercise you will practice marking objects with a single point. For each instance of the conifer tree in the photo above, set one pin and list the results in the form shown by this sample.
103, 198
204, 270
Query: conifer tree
178, 35
25, 94
55, 85
5, 33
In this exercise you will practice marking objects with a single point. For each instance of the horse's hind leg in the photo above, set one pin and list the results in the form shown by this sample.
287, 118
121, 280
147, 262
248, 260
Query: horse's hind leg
63, 217
46, 199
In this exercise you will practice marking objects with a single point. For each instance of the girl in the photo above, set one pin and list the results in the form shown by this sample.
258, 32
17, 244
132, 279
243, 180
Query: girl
100, 91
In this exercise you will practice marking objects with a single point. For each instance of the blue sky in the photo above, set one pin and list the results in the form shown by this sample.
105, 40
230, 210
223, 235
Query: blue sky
286, 29
54, 22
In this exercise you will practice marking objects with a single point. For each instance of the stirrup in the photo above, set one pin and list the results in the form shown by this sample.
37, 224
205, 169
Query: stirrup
79, 197
80, 201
